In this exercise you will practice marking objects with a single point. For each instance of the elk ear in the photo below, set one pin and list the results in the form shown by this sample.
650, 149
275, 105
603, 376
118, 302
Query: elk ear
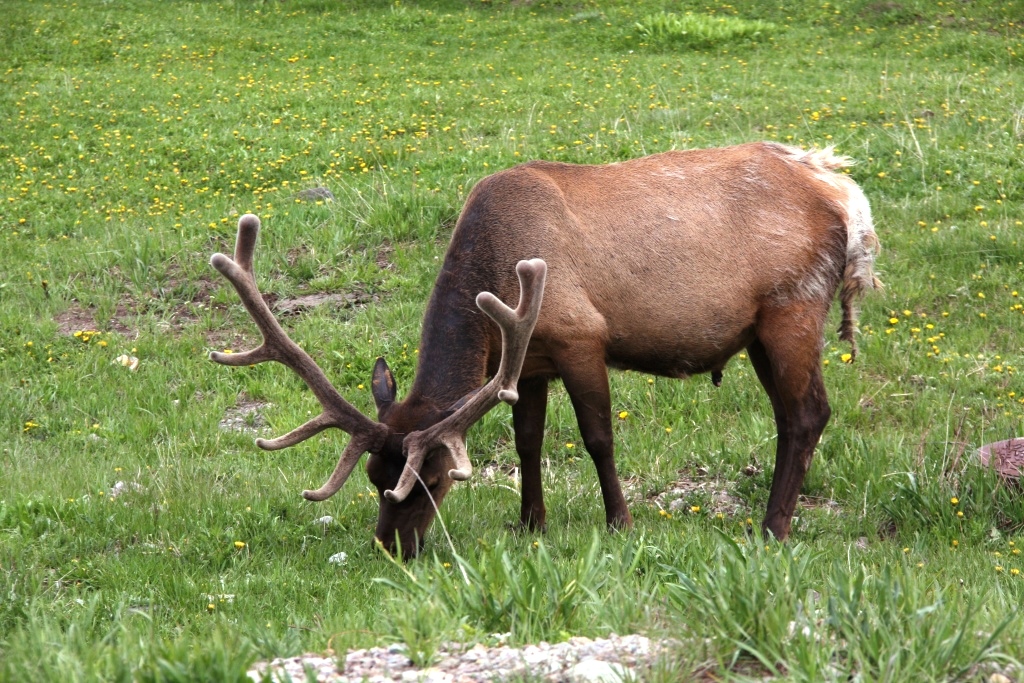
384, 389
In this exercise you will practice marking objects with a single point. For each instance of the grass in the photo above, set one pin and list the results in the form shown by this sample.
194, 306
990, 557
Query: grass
699, 30
141, 540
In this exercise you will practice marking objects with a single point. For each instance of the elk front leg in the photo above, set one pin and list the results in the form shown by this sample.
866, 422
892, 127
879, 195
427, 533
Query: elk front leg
528, 416
801, 408
586, 380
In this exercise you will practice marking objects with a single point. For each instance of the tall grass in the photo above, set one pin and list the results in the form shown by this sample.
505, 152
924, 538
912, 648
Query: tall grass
699, 30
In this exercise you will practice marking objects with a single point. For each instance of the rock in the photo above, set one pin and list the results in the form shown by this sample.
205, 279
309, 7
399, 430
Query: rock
578, 660
597, 671
315, 194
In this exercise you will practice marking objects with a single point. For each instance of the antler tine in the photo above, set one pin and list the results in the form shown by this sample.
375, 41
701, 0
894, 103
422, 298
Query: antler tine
516, 329
337, 412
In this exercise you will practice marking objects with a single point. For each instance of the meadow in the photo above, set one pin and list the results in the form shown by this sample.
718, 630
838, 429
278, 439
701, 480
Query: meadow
143, 537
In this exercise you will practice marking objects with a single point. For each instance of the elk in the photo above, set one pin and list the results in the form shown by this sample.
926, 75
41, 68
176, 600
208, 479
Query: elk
668, 264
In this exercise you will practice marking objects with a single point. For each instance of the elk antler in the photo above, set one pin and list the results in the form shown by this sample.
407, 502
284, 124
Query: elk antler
367, 435
516, 329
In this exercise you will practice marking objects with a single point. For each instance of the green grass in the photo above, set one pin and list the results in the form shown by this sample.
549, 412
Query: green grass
132, 136
699, 30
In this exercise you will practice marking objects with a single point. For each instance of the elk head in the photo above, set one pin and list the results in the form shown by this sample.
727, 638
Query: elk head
413, 470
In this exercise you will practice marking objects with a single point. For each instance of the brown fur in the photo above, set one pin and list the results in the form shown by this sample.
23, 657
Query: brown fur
668, 264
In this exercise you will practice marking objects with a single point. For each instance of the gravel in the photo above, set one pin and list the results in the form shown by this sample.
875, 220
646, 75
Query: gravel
577, 660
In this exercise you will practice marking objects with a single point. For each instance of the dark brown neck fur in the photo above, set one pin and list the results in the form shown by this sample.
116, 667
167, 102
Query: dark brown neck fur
454, 345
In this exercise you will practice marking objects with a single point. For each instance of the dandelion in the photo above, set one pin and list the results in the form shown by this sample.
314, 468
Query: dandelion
695, 509
623, 414
239, 544
954, 500
847, 357
955, 543
1015, 572
570, 445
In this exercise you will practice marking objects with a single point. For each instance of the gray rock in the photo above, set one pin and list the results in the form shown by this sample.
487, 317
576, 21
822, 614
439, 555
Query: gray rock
315, 194
597, 671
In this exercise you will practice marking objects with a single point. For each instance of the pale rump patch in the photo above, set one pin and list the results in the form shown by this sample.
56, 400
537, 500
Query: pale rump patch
861, 241
817, 159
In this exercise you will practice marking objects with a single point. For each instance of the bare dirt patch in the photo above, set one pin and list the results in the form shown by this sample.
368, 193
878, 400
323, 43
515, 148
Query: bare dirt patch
307, 302
76, 318
383, 258
245, 416
80, 318
696, 487
226, 339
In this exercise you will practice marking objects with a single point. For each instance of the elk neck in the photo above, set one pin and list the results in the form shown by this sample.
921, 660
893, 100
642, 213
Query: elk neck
455, 344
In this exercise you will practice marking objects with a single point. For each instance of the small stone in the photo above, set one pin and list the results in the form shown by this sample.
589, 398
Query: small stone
998, 678
130, 362
316, 194
338, 558
596, 671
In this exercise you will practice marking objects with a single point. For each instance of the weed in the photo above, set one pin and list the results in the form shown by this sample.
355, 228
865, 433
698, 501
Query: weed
701, 30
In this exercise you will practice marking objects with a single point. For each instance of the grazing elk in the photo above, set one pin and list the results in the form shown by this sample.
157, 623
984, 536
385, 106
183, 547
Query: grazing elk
668, 264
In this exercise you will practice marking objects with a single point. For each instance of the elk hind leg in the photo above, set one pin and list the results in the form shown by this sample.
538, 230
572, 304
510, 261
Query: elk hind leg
787, 359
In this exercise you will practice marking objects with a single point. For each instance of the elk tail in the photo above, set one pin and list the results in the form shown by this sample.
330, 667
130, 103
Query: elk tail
861, 247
